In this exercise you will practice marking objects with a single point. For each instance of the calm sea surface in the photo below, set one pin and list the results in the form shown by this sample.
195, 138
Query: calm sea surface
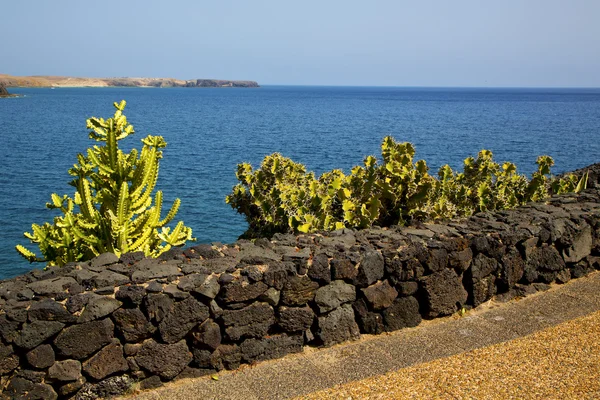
209, 131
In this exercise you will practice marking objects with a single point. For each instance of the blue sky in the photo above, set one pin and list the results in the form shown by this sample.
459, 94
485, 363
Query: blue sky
548, 43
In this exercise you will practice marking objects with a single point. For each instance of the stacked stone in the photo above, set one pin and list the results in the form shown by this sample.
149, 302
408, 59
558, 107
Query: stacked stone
93, 329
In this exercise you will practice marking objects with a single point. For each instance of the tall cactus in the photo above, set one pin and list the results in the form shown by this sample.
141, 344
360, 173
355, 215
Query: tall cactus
112, 209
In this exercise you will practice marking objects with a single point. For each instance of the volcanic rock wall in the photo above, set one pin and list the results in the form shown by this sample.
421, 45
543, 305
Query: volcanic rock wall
92, 329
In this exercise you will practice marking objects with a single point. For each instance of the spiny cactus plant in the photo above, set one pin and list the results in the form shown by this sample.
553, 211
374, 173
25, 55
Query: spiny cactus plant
113, 209
281, 196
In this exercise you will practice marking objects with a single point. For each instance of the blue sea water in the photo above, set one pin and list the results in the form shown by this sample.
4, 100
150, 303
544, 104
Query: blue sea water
209, 131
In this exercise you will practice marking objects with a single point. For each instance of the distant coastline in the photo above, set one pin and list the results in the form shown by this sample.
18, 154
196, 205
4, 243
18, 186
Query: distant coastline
66, 81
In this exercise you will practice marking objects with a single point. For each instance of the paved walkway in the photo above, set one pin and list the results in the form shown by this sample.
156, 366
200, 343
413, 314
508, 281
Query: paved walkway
544, 346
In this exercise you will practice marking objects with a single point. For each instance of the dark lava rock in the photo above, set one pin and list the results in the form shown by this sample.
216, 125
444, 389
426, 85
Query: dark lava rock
544, 263
181, 319
437, 260
110, 278
380, 295
9, 330
113, 386
77, 302
22, 389
333, 295
338, 326
481, 279
511, 269
131, 258
41, 357
132, 324
443, 293
149, 269
71, 387
35, 333
369, 322
241, 289
157, 306
97, 308
31, 375
403, 313
319, 269
166, 360
8, 363
205, 251
293, 319
152, 382
49, 310
67, 370
370, 268
130, 296
226, 356
343, 268
104, 259
208, 334
173, 291
298, 290
276, 274
107, 361
271, 296
79, 341
51, 287
275, 346
252, 321
407, 288
106, 290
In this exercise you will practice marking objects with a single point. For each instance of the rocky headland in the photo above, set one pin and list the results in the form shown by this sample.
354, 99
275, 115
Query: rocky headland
4, 92
66, 81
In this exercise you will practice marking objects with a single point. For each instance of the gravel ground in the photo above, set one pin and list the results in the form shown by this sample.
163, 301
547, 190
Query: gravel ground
562, 362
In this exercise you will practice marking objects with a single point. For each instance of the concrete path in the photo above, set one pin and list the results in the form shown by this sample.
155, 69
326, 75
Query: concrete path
442, 351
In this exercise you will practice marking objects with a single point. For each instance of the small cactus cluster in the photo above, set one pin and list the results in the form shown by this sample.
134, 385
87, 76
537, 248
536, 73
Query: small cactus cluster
113, 209
281, 196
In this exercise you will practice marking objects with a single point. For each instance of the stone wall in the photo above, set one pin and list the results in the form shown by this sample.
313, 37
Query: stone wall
92, 329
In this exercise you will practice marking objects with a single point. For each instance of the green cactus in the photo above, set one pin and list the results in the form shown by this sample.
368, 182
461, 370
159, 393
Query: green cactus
281, 196
113, 209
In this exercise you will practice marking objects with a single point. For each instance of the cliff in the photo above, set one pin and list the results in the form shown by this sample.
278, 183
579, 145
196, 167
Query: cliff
66, 81
4, 92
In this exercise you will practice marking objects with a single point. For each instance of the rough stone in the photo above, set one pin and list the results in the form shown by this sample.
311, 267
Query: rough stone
275, 346
154, 270
511, 269
82, 340
107, 361
333, 295
173, 291
130, 296
35, 333
152, 382
108, 388
338, 326
67, 370
370, 268
181, 319
319, 270
97, 308
51, 287
110, 278
380, 295
157, 306
166, 360
252, 321
443, 293
20, 388
403, 313
132, 324
271, 296
368, 322
407, 288
41, 357
104, 259
241, 289
298, 290
581, 246
208, 334
8, 363
293, 319
226, 357
343, 268
49, 310
71, 387
132, 257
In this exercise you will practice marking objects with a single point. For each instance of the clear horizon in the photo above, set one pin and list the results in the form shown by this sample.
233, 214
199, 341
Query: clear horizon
514, 44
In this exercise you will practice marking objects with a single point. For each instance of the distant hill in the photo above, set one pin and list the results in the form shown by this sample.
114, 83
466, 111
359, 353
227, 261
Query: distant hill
66, 81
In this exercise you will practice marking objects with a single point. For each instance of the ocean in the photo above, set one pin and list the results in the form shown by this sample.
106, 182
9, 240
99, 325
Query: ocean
210, 131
